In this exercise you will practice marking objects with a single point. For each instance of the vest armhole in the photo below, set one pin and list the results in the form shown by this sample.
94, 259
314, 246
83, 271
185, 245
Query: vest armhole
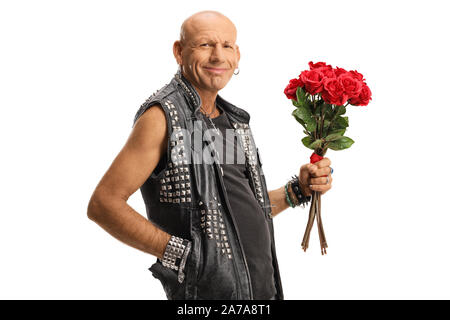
161, 166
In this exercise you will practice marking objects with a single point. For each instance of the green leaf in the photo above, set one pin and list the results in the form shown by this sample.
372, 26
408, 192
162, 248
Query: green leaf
341, 143
303, 113
301, 96
316, 144
340, 122
300, 121
311, 126
328, 111
338, 131
295, 103
307, 142
340, 110
326, 124
333, 136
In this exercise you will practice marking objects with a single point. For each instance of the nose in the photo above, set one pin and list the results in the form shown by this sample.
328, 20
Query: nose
217, 53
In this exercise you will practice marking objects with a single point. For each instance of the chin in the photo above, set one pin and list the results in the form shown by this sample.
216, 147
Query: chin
220, 86
220, 82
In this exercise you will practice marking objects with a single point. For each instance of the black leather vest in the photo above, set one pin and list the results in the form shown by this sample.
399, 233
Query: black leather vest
185, 197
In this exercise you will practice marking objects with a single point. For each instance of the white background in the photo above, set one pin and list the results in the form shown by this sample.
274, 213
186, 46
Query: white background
74, 73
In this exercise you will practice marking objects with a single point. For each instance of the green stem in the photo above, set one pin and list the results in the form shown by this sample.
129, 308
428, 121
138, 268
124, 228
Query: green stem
321, 120
314, 110
332, 119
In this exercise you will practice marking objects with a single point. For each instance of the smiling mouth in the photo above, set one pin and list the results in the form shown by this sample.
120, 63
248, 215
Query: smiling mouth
215, 70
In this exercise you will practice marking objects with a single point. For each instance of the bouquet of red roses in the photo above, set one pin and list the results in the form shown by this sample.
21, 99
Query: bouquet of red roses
321, 96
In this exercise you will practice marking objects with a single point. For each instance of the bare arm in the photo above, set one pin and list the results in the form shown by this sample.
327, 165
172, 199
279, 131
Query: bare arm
135, 162
278, 200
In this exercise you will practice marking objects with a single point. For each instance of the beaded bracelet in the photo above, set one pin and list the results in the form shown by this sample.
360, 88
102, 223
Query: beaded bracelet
287, 195
301, 199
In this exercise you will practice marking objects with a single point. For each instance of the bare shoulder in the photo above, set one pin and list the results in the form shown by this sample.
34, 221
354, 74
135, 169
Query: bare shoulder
154, 112
151, 128
153, 116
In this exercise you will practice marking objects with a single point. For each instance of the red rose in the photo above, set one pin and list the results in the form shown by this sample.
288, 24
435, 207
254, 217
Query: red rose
317, 65
326, 69
327, 72
338, 71
312, 80
355, 74
363, 98
291, 90
333, 92
352, 86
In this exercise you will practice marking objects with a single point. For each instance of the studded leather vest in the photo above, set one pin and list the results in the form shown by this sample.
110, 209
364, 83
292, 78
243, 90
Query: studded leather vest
186, 197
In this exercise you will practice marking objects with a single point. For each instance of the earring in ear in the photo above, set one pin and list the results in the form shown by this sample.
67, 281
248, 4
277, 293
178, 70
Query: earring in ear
237, 72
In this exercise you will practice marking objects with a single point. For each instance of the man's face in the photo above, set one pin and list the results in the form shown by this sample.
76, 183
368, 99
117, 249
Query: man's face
209, 55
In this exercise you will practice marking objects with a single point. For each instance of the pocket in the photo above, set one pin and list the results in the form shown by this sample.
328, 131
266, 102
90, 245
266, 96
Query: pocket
169, 280
192, 267
197, 256
215, 273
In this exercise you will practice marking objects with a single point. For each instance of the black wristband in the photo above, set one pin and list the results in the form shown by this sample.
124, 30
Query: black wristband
295, 185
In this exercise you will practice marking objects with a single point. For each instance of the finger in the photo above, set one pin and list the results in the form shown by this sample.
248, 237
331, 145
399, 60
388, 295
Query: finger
311, 167
321, 172
305, 166
320, 180
325, 162
320, 187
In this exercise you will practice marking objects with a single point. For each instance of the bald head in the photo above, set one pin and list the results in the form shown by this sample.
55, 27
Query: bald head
202, 21
207, 51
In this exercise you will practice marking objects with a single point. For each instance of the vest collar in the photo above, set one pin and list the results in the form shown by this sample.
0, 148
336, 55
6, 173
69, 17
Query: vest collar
195, 102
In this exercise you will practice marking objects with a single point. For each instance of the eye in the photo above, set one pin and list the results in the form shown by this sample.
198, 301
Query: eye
204, 44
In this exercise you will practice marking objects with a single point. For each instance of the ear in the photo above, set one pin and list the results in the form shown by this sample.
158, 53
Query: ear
238, 53
177, 51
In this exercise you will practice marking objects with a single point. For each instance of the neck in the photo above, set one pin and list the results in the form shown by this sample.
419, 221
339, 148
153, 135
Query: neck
207, 97
208, 100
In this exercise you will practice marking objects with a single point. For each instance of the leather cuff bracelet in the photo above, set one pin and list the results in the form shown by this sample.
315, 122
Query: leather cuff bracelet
301, 198
175, 255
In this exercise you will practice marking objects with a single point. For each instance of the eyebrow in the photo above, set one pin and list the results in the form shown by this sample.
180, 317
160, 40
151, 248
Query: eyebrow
204, 39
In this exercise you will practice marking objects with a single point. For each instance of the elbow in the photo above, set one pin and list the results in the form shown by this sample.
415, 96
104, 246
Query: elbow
103, 205
94, 209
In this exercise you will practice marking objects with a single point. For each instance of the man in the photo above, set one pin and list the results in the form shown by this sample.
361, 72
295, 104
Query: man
211, 223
